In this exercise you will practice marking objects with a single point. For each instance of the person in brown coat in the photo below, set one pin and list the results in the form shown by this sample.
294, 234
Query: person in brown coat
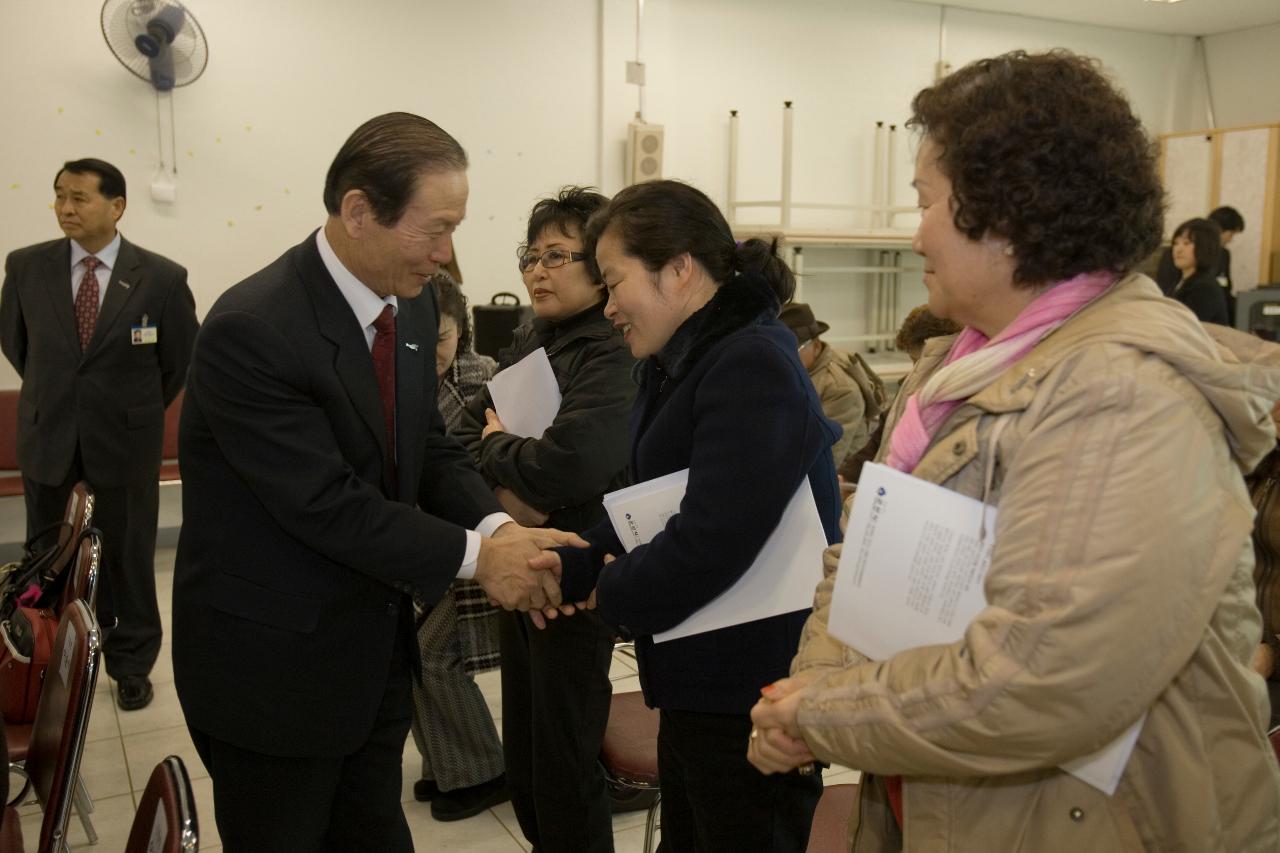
851, 393
1111, 432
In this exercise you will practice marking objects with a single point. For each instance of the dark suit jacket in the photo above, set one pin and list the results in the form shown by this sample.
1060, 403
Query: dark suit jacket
110, 399
293, 561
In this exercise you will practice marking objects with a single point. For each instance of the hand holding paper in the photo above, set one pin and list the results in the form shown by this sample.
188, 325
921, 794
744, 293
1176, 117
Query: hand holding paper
780, 580
526, 396
491, 424
911, 574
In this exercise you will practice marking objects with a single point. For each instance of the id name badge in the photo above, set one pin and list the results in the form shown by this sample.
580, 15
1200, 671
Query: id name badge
144, 333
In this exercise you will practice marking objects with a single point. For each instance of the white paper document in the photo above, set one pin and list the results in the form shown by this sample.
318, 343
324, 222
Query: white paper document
911, 574
780, 580
526, 395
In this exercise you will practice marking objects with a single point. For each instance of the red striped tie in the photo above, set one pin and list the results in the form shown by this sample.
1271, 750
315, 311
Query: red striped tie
384, 366
87, 302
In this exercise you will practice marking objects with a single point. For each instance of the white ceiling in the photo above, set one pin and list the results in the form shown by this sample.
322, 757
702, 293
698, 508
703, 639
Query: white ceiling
1189, 17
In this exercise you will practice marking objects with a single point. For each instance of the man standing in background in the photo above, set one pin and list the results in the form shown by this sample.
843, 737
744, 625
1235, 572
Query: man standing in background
100, 330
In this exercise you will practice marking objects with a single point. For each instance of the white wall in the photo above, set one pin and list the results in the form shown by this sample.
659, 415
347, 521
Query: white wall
1244, 71
533, 90
287, 81
845, 64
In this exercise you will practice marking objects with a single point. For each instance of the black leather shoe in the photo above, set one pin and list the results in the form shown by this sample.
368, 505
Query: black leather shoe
465, 802
425, 790
134, 692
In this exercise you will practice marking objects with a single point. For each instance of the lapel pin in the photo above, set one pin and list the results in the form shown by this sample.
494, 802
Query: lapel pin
413, 347
126, 285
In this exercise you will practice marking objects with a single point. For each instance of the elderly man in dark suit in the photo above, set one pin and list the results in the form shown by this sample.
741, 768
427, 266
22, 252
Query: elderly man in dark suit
319, 488
100, 330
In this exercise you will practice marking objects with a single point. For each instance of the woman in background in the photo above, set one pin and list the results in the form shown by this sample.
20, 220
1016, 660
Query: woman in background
1196, 250
457, 638
555, 680
723, 394
1111, 432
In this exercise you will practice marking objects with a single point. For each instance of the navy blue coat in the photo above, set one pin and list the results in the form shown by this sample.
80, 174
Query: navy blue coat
728, 399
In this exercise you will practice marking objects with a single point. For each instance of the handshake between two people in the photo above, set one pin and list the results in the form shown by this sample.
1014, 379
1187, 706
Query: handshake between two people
518, 572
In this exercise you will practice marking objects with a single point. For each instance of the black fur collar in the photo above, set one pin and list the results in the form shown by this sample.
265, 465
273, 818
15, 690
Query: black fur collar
744, 301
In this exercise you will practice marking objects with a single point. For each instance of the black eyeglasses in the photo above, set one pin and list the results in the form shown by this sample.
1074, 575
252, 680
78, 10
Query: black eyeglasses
551, 259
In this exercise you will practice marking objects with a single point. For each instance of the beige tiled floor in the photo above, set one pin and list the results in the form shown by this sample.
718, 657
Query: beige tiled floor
123, 748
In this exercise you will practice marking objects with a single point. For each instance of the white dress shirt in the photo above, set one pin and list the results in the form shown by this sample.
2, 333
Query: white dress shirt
106, 263
367, 306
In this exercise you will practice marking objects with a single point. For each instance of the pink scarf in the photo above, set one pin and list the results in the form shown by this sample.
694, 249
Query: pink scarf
975, 361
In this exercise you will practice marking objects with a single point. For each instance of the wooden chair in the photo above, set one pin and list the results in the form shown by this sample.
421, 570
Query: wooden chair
166, 818
629, 754
830, 832
52, 763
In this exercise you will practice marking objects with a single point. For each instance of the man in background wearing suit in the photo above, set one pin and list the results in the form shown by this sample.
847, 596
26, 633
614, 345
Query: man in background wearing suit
319, 488
100, 330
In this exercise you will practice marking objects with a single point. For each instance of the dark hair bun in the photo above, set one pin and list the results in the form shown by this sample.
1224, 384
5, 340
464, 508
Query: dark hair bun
757, 256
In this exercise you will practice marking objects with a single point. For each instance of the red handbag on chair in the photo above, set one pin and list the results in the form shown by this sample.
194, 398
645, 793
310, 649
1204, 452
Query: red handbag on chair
26, 644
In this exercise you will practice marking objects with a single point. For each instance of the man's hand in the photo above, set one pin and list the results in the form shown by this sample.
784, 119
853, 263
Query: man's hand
518, 509
541, 537
503, 569
775, 745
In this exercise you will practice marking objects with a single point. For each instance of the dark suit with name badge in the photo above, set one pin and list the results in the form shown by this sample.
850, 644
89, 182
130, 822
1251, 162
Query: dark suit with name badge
98, 415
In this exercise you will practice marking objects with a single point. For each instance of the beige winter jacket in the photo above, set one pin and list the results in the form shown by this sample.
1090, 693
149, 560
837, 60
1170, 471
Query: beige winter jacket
1120, 583
852, 396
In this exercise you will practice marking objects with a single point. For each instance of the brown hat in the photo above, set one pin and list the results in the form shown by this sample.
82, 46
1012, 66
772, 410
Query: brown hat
799, 318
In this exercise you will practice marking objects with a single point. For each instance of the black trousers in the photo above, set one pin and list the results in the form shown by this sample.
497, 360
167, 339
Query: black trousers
555, 706
714, 800
127, 516
269, 804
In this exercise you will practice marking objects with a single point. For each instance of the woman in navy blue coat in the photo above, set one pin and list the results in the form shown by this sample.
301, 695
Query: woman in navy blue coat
722, 393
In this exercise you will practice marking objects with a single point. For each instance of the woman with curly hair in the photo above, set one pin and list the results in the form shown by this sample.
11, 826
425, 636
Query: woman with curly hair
1111, 433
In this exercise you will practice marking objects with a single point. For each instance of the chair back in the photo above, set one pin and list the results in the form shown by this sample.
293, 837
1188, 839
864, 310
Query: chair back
629, 752
1274, 735
166, 818
81, 583
62, 720
78, 517
830, 832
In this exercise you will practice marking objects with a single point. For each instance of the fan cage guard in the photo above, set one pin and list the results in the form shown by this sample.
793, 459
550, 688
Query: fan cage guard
122, 21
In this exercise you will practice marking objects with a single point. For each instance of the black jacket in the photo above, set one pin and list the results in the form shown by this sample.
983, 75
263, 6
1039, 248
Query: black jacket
583, 453
1168, 276
728, 399
1207, 299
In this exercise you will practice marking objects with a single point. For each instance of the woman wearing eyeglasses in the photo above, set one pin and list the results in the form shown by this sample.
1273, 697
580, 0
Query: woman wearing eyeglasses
555, 680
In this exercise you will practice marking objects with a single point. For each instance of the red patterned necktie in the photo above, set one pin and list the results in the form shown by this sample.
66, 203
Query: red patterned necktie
87, 302
384, 366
